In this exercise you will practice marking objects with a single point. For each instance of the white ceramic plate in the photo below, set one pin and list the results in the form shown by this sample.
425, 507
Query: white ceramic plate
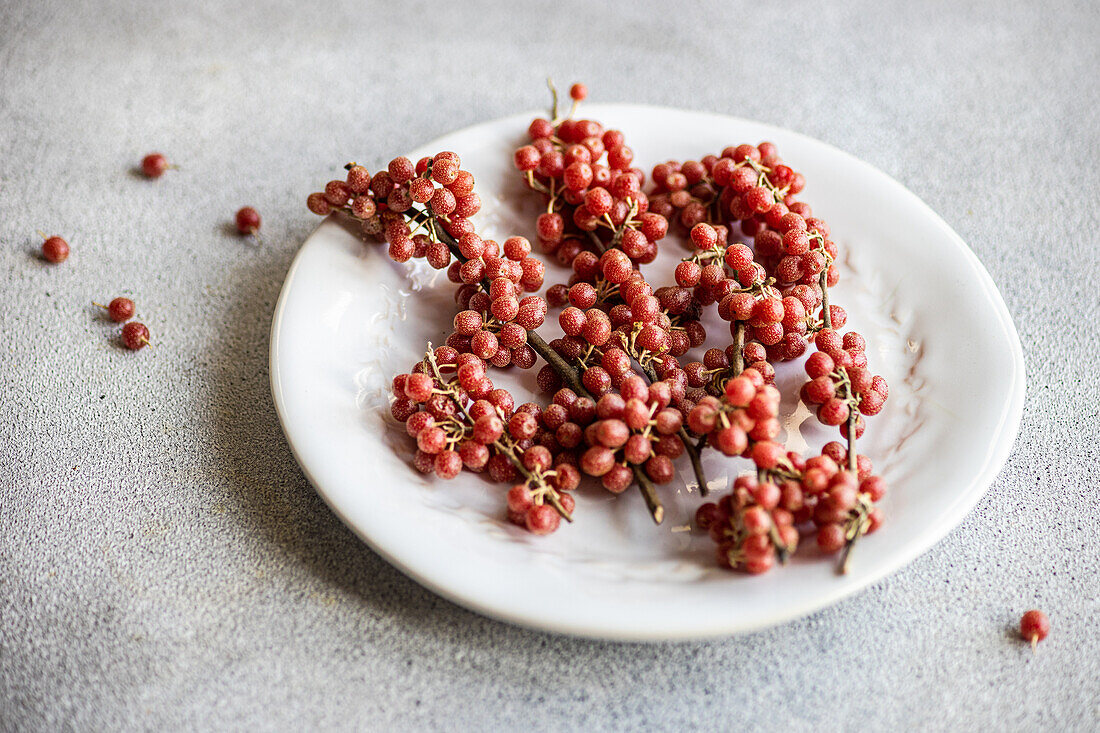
349, 319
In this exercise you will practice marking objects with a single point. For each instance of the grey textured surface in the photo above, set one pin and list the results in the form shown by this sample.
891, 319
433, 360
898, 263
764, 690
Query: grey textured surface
164, 564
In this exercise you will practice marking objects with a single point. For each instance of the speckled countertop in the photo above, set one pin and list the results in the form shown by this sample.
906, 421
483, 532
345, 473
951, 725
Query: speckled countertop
165, 565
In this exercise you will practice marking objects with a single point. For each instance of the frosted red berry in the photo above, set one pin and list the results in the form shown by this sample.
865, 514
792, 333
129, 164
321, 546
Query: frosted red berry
135, 335
119, 309
1034, 626
55, 249
154, 165
248, 220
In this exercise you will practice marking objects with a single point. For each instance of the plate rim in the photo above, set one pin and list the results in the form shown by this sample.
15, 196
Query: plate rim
950, 519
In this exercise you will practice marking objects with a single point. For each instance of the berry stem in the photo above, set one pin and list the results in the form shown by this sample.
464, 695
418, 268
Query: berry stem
739, 349
696, 462
826, 316
553, 101
600, 246
857, 525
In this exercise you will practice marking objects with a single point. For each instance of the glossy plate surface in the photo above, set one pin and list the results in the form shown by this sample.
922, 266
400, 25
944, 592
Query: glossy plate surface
348, 319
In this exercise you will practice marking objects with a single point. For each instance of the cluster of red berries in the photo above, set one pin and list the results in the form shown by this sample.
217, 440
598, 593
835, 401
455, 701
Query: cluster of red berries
134, 335
495, 322
461, 421
775, 296
381, 201
593, 196
840, 382
495, 317
633, 426
774, 323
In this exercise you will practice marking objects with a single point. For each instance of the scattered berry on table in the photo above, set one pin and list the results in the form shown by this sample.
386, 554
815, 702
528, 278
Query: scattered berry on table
54, 249
154, 165
118, 310
135, 335
1034, 626
248, 220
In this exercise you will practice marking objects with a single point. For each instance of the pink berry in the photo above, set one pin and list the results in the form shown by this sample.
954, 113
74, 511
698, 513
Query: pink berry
119, 310
248, 220
542, 519
1034, 626
135, 335
55, 249
154, 165
830, 537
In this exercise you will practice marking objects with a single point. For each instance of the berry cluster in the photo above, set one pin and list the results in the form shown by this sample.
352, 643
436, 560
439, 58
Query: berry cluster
422, 211
495, 321
593, 196
494, 328
618, 329
460, 421
775, 296
386, 204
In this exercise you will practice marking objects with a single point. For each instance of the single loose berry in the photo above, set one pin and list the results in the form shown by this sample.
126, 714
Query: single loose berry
119, 310
55, 249
248, 220
578, 92
135, 335
1034, 626
154, 165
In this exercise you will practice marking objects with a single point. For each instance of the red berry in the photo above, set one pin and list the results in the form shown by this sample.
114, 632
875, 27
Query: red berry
248, 220
55, 249
830, 537
767, 454
598, 201
542, 519
578, 92
833, 412
135, 335
318, 204
527, 158
540, 128
154, 165
418, 387
704, 236
488, 428
448, 464
819, 364
1034, 626
418, 422
120, 310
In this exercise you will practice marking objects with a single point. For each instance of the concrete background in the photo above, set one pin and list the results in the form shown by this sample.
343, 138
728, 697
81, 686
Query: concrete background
165, 565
